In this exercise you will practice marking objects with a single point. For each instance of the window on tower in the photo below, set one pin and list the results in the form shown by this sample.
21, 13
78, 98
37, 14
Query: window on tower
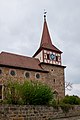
48, 56
54, 80
56, 58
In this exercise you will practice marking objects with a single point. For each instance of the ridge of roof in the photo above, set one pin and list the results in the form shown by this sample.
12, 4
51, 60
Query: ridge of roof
9, 53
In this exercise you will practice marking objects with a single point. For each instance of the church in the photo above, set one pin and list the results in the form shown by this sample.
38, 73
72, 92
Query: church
44, 66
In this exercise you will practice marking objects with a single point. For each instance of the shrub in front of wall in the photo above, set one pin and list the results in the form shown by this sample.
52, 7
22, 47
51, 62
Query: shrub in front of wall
33, 93
54, 104
13, 93
66, 107
73, 100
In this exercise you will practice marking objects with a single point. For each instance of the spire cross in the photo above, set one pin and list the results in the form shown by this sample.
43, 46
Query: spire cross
45, 14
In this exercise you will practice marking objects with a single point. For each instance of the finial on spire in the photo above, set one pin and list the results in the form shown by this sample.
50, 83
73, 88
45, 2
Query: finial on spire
45, 14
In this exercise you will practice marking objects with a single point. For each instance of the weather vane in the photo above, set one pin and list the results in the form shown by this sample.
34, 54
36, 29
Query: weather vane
45, 14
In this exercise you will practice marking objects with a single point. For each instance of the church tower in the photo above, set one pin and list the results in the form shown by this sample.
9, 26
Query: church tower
50, 60
47, 52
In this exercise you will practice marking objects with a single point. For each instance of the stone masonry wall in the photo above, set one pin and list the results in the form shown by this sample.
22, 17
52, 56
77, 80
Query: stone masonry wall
27, 112
56, 79
20, 75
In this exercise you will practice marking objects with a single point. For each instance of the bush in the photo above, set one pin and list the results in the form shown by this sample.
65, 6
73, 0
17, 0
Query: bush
73, 100
36, 93
66, 107
13, 94
33, 93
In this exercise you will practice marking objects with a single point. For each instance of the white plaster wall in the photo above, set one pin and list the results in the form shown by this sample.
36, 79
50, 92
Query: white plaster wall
40, 56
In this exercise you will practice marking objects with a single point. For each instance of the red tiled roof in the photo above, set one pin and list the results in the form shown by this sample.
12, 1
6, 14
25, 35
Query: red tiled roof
15, 60
45, 36
46, 41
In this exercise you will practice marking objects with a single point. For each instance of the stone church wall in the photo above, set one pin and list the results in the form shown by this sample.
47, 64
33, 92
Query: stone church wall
55, 77
27, 112
20, 74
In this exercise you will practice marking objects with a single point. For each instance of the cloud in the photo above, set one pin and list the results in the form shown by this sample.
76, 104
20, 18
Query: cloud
75, 90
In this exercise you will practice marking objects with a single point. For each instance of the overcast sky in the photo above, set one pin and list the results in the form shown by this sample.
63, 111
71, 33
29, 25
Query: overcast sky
21, 23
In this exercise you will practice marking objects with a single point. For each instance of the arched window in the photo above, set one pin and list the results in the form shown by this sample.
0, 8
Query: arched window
55, 94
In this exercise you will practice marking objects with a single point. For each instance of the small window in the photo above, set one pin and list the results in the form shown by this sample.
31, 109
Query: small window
56, 58
37, 76
48, 56
54, 80
0, 91
0, 71
12, 72
27, 75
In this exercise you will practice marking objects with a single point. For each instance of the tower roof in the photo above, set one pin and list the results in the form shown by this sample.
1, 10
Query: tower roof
46, 42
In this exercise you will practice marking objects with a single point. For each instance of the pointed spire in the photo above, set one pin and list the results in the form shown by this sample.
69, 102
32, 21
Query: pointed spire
45, 40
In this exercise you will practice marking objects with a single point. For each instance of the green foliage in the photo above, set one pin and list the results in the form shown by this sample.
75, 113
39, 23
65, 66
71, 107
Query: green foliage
13, 94
33, 93
66, 107
36, 93
1, 101
67, 103
73, 100
54, 103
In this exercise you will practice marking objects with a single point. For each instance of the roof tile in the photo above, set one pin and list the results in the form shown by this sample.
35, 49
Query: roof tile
15, 60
